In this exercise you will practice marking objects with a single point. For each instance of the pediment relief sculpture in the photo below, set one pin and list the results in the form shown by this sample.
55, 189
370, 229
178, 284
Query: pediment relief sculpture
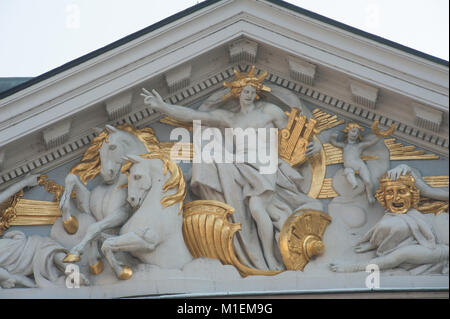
241, 207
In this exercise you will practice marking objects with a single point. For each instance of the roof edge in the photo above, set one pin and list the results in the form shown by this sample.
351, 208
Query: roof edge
200, 6
108, 47
360, 32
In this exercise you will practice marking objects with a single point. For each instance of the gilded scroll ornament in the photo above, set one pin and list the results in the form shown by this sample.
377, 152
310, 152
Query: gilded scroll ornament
8, 211
301, 237
51, 187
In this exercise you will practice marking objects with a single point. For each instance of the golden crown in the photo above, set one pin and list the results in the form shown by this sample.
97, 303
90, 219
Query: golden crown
406, 179
244, 79
351, 125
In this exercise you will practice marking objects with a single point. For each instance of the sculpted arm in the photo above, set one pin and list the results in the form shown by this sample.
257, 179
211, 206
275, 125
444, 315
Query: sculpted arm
212, 118
438, 193
280, 120
369, 142
10, 191
334, 141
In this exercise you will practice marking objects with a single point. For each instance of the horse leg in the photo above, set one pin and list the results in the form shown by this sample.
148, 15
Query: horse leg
94, 258
128, 242
116, 219
73, 184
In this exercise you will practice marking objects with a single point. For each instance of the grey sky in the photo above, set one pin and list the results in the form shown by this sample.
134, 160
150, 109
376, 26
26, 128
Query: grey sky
37, 36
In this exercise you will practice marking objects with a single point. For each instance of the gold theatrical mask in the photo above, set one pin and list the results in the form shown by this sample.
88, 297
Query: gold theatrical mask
398, 196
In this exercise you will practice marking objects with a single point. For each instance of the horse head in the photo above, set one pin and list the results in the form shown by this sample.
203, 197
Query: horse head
118, 144
140, 177
149, 170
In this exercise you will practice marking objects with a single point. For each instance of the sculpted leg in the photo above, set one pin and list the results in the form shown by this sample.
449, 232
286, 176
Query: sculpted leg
128, 242
94, 258
337, 267
73, 184
265, 231
366, 177
8, 280
351, 178
413, 254
94, 230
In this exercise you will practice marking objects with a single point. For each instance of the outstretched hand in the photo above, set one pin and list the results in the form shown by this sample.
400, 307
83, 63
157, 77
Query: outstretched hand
153, 99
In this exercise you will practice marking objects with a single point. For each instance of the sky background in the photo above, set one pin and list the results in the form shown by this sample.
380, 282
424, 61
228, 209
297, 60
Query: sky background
40, 35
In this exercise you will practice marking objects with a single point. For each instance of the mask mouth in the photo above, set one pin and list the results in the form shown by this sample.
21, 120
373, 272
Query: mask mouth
398, 205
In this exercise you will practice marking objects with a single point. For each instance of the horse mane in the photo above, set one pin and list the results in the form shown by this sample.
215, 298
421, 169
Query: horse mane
176, 179
90, 164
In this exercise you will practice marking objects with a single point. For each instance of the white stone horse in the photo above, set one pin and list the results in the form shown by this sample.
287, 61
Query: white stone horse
107, 201
154, 233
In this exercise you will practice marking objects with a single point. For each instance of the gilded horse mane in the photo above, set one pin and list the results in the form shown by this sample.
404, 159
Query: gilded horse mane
90, 164
176, 179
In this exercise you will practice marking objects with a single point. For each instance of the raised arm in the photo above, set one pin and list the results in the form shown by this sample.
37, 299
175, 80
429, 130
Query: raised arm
438, 193
369, 142
334, 142
181, 113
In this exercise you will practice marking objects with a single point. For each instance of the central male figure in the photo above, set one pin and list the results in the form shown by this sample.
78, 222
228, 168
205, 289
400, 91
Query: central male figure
262, 202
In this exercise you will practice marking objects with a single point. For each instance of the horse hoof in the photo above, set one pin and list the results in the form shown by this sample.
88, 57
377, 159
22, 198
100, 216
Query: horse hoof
96, 268
71, 258
71, 225
126, 273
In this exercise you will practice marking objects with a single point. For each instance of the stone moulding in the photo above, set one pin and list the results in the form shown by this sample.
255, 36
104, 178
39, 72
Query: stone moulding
143, 116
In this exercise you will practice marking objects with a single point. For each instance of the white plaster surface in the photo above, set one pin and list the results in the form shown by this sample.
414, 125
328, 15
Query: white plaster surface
219, 279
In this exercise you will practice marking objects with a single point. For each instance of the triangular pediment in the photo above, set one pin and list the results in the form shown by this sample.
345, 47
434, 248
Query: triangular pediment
353, 75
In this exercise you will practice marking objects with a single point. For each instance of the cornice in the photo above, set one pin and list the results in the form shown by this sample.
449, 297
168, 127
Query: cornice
143, 116
148, 57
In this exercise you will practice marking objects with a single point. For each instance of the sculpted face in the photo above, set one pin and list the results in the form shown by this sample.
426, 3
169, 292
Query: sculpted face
111, 158
139, 183
398, 197
248, 95
353, 134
